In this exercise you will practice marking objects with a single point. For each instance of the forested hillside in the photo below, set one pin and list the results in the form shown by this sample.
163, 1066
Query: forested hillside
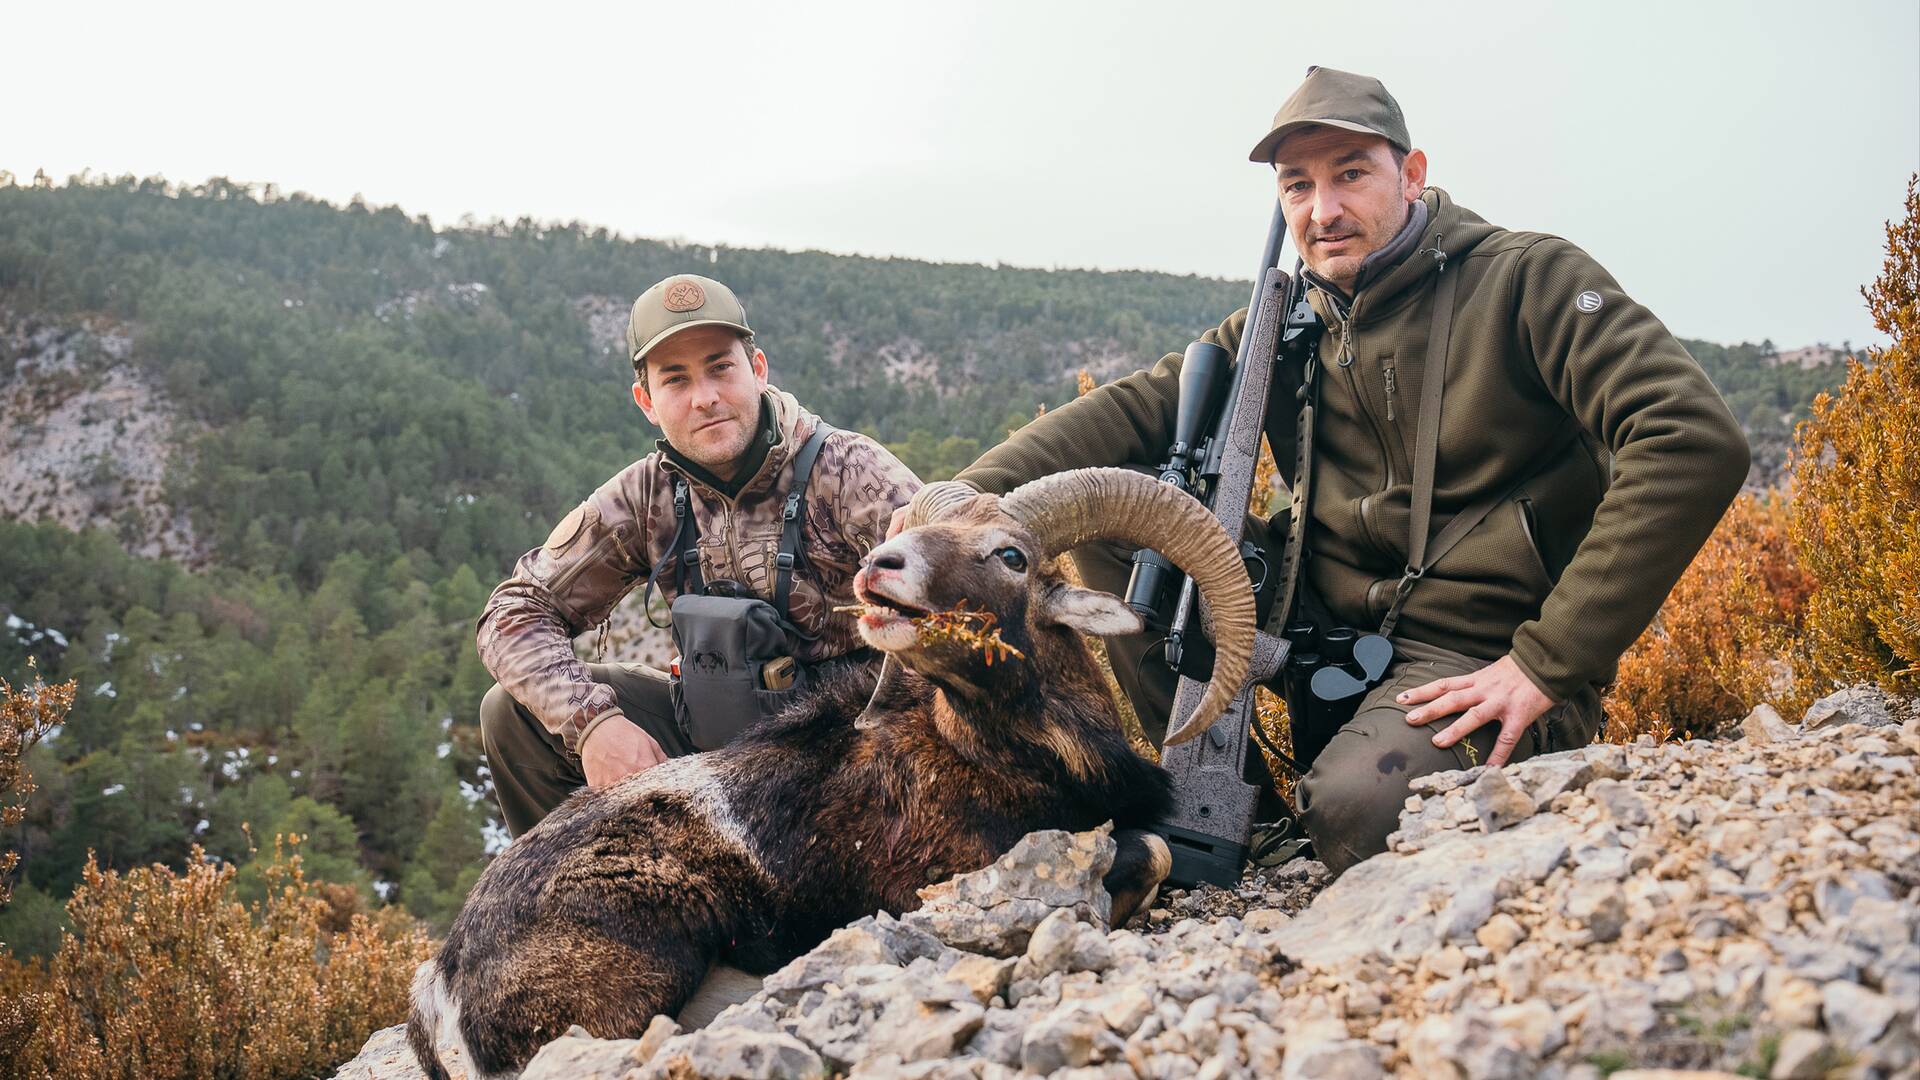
368, 418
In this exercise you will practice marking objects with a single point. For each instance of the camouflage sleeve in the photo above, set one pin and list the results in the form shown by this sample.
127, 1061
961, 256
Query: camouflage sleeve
590, 561
867, 483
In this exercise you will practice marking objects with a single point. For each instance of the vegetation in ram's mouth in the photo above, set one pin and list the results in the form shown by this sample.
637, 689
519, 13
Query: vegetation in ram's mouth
961, 626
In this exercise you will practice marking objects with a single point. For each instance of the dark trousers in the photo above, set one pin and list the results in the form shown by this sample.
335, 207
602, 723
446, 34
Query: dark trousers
1359, 761
533, 771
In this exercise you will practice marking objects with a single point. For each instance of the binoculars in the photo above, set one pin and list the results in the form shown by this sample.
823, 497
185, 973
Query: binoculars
1337, 664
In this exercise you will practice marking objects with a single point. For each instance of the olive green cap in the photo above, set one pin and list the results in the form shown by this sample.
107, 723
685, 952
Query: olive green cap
1338, 99
679, 303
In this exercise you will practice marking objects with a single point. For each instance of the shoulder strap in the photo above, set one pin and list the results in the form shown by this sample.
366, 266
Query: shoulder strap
684, 551
1421, 555
790, 515
1426, 452
1301, 492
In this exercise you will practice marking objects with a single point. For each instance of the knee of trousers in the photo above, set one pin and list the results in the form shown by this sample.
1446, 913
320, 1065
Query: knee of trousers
1350, 803
499, 719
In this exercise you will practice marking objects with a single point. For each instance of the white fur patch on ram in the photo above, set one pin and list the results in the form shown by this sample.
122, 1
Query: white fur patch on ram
704, 788
440, 1010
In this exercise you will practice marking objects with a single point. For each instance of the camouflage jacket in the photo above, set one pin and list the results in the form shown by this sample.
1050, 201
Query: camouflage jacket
608, 544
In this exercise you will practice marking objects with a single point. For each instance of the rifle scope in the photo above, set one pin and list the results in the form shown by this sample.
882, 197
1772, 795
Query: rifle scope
1203, 378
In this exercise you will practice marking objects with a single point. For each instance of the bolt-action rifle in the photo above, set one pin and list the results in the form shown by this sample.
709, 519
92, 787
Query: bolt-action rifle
1215, 449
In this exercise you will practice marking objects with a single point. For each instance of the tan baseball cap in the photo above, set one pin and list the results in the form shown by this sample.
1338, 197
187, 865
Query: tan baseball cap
1338, 99
678, 303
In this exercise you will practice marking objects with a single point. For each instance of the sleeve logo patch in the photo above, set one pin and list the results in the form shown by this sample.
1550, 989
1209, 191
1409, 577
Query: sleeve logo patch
1588, 301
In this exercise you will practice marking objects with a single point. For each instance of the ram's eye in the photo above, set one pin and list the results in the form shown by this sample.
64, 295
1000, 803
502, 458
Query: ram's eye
1015, 561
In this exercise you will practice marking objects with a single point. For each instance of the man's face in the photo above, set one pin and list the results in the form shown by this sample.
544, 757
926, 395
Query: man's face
1344, 197
703, 390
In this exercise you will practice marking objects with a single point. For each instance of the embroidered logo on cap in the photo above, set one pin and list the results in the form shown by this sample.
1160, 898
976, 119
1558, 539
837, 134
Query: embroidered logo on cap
684, 295
1588, 301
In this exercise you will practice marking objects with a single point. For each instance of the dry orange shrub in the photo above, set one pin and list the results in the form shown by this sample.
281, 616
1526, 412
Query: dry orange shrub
1856, 480
1719, 644
167, 976
27, 713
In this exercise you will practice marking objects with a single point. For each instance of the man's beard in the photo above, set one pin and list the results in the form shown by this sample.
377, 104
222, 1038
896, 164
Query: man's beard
1343, 269
715, 457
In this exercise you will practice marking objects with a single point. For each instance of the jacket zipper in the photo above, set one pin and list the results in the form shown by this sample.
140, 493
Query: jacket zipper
1347, 354
1388, 370
727, 507
733, 547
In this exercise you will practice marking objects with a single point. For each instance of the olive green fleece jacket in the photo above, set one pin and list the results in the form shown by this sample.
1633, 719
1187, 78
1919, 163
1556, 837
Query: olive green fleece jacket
1546, 349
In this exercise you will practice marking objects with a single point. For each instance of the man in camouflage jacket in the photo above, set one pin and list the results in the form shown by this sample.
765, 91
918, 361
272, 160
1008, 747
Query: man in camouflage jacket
554, 723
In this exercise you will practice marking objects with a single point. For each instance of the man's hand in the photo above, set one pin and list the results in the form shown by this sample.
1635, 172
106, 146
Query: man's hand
1500, 691
897, 522
616, 750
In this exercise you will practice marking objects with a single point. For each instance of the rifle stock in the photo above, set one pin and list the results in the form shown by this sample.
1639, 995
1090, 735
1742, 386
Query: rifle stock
1212, 820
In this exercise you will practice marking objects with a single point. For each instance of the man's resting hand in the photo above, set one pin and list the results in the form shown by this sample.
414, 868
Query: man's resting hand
1500, 691
617, 749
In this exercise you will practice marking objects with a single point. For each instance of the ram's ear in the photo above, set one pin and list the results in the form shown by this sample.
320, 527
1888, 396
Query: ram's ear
1090, 612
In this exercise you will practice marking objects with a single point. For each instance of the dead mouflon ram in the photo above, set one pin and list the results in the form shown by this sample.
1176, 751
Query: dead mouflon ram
617, 905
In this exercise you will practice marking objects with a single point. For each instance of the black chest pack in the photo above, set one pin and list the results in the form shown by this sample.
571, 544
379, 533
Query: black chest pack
737, 662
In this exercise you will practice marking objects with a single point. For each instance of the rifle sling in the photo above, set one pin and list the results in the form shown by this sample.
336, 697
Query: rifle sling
1297, 514
1421, 554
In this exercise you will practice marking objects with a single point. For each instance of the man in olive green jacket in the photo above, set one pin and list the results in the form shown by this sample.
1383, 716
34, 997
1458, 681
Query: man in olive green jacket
1619, 454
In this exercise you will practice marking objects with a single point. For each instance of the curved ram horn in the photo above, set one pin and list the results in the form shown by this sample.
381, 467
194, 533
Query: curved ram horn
1068, 509
933, 501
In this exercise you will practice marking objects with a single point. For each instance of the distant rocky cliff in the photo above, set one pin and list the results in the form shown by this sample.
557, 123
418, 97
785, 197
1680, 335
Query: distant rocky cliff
85, 437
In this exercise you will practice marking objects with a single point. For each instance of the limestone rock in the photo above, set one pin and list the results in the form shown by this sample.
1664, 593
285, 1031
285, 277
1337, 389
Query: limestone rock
1333, 1059
995, 910
984, 977
1372, 905
1267, 920
1867, 705
386, 1056
1599, 906
1064, 1038
1501, 933
1854, 1015
1467, 1044
1497, 802
1622, 803
1764, 725
717, 1053
579, 1056
1550, 775
1803, 1055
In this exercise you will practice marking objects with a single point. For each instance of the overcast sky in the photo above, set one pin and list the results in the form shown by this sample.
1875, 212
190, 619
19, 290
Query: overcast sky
1731, 162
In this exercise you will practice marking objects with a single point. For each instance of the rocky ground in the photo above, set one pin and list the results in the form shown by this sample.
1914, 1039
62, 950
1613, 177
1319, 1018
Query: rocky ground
1746, 907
